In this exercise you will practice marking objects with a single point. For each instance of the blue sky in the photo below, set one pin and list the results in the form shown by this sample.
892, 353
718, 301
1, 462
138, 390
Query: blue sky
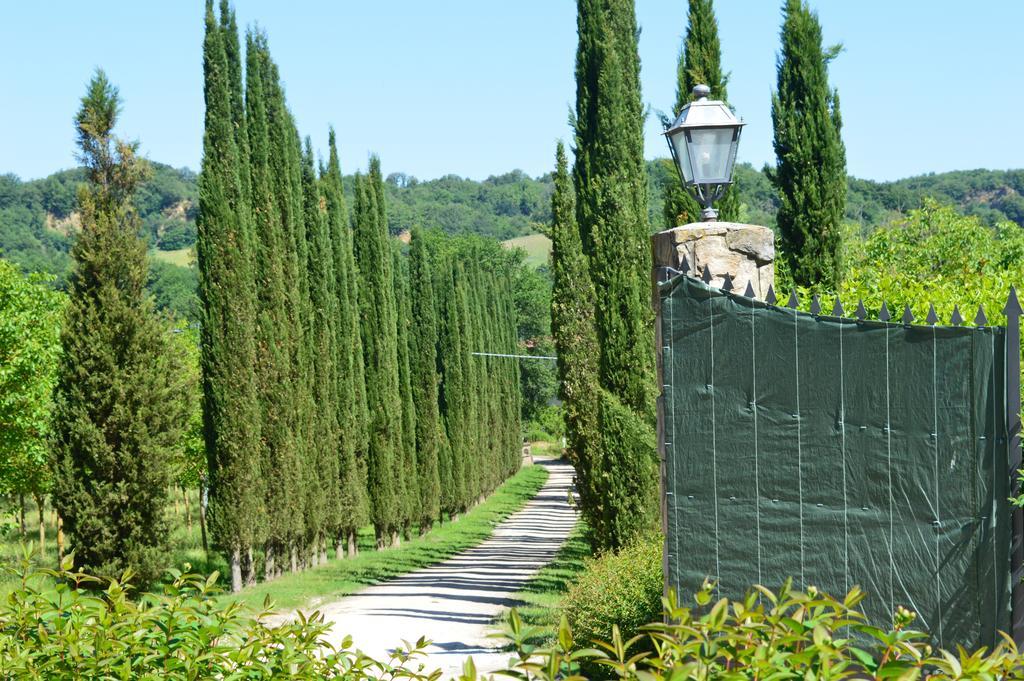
478, 87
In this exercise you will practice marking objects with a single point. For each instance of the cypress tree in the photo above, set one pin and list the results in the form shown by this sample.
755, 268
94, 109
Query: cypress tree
810, 165
121, 396
323, 343
380, 354
278, 452
454, 410
410, 485
423, 352
699, 63
231, 414
352, 415
611, 194
572, 325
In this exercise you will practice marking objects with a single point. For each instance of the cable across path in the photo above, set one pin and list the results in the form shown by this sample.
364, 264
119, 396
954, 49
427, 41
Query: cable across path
455, 603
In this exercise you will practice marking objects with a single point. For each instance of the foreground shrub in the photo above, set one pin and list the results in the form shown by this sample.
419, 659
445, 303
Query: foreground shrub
58, 624
788, 635
623, 589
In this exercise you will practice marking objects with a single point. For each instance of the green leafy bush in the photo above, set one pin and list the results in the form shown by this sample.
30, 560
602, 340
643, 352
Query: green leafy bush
785, 635
621, 589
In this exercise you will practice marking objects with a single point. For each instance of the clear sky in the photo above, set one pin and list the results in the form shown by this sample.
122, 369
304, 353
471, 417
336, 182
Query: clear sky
479, 87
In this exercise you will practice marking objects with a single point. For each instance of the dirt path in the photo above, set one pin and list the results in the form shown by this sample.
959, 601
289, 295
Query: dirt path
455, 603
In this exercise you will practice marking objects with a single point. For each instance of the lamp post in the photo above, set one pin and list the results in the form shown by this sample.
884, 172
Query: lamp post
703, 141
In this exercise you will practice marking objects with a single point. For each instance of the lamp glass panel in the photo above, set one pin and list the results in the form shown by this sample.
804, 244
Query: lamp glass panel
682, 155
710, 154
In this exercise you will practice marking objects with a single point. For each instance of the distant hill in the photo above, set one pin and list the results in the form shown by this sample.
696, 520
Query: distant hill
38, 219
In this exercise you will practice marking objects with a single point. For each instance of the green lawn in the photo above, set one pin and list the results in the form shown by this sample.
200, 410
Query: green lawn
332, 580
537, 247
337, 578
542, 597
182, 257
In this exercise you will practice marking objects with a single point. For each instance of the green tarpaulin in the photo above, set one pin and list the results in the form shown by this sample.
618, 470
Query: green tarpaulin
837, 452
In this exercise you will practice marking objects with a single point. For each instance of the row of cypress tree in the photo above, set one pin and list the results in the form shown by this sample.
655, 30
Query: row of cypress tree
601, 315
810, 169
340, 387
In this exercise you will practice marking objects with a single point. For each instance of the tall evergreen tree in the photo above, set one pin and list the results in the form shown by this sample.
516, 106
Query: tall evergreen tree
810, 166
121, 396
403, 308
279, 454
231, 412
323, 343
352, 414
454, 410
572, 325
611, 194
423, 352
380, 354
699, 63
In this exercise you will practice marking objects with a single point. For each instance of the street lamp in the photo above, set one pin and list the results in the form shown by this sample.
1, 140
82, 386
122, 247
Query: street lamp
703, 141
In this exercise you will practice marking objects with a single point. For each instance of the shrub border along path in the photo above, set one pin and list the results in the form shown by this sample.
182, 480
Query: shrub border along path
308, 589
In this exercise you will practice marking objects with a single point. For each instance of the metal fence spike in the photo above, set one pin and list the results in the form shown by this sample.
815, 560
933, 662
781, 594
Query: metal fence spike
980, 319
706, 277
861, 313
816, 304
932, 318
837, 309
883, 314
1012, 304
908, 315
770, 297
684, 265
957, 319
793, 301
749, 293
727, 284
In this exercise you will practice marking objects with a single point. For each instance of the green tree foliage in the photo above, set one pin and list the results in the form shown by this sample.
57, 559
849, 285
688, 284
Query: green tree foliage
423, 360
575, 334
699, 64
30, 318
810, 166
121, 399
409, 466
279, 456
935, 255
225, 253
611, 210
352, 413
323, 337
380, 353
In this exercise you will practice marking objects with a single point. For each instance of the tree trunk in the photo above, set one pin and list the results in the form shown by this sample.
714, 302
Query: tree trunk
353, 545
396, 539
323, 549
202, 516
177, 506
41, 505
188, 510
21, 514
60, 538
295, 559
339, 546
249, 567
236, 570
269, 562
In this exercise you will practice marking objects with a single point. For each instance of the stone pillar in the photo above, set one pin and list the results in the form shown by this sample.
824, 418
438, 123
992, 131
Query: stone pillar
745, 252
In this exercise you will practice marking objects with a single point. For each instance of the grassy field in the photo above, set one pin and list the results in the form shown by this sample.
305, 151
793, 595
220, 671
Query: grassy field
537, 247
340, 577
328, 581
182, 257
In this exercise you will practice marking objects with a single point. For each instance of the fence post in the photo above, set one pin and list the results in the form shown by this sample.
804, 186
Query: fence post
1013, 427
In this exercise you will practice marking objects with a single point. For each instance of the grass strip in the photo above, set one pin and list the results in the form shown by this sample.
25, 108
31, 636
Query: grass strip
337, 578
